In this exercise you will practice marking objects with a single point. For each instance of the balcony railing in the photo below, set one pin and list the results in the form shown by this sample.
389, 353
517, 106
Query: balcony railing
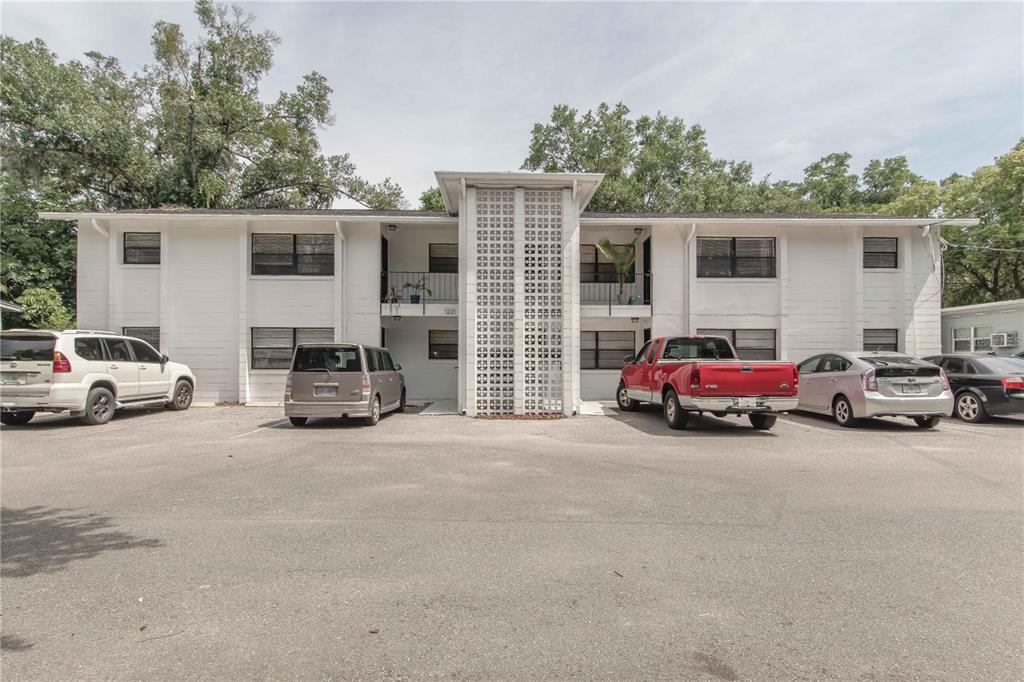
636, 290
419, 287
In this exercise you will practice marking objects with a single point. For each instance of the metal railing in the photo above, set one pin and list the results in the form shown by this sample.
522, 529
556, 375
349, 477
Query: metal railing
636, 290
419, 287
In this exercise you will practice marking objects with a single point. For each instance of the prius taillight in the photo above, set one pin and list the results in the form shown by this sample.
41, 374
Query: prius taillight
870, 380
60, 362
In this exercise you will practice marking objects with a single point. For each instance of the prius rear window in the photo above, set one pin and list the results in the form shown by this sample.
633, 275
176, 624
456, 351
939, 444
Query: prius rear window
333, 359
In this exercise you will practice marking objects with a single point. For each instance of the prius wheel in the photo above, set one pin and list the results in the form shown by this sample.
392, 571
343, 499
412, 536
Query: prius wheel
970, 409
99, 407
927, 422
675, 416
16, 418
625, 403
842, 410
374, 412
181, 399
762, 422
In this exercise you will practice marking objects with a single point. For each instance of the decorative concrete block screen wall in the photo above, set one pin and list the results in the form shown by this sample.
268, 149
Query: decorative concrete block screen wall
520, 309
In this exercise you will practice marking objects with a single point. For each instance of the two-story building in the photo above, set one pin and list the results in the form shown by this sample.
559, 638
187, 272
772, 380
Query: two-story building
502, 302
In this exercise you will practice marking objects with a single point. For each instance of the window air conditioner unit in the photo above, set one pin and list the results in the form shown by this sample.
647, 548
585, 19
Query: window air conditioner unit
1003, 340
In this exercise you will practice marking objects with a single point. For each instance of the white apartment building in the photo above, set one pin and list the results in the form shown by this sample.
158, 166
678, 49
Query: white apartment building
502, 303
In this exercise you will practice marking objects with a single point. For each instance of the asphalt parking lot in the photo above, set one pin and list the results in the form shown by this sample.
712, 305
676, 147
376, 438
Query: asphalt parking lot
221, 543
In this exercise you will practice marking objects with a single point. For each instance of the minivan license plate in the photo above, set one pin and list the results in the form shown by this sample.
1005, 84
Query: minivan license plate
325, 391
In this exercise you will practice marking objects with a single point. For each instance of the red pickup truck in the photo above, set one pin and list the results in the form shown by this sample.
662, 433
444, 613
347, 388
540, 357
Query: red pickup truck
702, 374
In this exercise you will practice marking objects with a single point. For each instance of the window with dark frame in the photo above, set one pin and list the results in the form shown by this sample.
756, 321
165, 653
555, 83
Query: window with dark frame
882, 339
444, 257
750, 344
141, 248
150, 335
881, 252
606, 349
596, 267
272, 347
443, 344
293, 254
736, 257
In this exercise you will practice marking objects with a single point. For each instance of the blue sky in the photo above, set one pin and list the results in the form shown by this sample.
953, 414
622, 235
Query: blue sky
422, 87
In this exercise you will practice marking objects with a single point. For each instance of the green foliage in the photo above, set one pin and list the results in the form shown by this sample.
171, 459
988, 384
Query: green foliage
189, 130
622, 257
43, 308
431, 200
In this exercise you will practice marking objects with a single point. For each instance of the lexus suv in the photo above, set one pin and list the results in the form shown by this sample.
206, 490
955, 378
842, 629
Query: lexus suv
89, 373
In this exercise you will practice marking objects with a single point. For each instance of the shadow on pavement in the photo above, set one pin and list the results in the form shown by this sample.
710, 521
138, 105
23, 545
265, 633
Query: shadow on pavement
649, 419
896, 424
63, 420
14, 644
41, 540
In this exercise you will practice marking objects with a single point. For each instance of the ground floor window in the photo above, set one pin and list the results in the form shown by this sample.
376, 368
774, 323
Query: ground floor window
443, 344
882, 339
272, 347
150, 335
606, 349
966, 339
750, 344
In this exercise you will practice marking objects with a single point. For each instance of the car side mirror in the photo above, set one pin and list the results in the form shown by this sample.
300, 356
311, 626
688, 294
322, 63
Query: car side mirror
629, 360
164, 359
398, 367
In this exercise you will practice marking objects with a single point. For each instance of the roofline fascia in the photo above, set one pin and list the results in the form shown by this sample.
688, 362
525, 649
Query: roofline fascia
235, 217
985, 307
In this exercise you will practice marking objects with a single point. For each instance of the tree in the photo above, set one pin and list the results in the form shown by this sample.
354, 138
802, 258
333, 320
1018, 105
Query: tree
622, 257
189, 130
43, 308
829, 184
431, 200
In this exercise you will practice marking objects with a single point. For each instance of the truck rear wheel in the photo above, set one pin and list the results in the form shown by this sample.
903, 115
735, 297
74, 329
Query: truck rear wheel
625, 403
675, 416
762, 422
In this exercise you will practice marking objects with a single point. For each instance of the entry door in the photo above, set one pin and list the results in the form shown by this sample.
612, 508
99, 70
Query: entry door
123, 368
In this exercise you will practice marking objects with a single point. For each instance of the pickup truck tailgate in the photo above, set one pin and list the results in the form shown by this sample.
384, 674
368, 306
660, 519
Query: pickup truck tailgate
739, 378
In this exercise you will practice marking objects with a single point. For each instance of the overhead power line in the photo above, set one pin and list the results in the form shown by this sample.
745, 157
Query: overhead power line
970, 247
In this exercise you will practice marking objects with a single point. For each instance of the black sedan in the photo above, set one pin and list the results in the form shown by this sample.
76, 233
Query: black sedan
983, 385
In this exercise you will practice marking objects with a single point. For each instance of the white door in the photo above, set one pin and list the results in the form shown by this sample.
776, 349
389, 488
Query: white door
122, 366
154, 379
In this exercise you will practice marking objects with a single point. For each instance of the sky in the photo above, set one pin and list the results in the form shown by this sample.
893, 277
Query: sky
420, 87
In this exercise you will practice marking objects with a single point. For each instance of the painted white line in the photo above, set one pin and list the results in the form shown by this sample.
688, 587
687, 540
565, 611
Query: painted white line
808, 426
262, 428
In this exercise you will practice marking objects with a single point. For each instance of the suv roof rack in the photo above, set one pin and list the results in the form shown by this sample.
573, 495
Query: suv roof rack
88, 331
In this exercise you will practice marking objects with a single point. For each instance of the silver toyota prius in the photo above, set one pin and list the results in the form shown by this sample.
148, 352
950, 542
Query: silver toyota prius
853, 385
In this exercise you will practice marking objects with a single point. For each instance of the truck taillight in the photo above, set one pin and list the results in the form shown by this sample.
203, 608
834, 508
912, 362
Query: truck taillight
366, 383
695, 379
1013, 383
945, 380
60, 362
796, 380
870, 382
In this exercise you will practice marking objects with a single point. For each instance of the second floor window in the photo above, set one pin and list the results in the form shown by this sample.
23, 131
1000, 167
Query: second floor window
142, 248
293, 254
880, 252
444, 258
596, 267
735, 256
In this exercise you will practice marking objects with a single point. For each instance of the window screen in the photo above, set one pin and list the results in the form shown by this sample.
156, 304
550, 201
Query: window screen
293, 254
444, 258
142, 248
736, 257
150, 335
272, 346
882, 339
982, 340
606, 350
880, 252
961, 339
750, 344
443, 344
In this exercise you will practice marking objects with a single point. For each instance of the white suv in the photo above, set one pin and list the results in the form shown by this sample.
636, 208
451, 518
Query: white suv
89, 373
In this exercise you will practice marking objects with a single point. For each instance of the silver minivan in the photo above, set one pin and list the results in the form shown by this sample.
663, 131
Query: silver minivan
342, 380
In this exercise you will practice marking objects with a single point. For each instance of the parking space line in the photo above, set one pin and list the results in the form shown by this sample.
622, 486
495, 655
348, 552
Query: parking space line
262, 428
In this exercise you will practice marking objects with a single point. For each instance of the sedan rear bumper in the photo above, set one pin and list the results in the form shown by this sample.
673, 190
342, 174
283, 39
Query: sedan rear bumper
875, 405
728, 404
294, 408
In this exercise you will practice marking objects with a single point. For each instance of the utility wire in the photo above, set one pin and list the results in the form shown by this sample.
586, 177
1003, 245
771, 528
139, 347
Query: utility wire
943, 244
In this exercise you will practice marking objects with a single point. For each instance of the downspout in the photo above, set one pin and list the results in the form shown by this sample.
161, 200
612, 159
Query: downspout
339, 283
687, 238
96, 226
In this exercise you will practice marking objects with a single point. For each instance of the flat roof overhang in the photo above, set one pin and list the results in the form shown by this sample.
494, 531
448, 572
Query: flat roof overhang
452, 184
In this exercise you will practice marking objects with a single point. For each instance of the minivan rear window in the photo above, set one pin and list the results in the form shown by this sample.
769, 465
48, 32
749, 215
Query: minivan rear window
333, 359
25, 347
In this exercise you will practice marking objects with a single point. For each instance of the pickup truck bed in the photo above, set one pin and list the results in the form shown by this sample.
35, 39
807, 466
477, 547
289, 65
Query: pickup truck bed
702, 374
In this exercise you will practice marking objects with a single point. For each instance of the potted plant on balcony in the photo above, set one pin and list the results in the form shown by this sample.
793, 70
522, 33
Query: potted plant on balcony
417, 287
623, 257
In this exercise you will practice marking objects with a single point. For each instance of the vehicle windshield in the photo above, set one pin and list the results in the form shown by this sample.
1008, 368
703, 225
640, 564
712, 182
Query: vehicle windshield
1001, 365
707, 348
332, 359
25, 347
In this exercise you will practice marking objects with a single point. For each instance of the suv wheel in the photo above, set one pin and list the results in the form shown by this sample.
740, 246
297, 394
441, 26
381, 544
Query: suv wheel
181, 399
625, 403
675, 416
16, 418
374, 412
970, 409
99, 407
842, 410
